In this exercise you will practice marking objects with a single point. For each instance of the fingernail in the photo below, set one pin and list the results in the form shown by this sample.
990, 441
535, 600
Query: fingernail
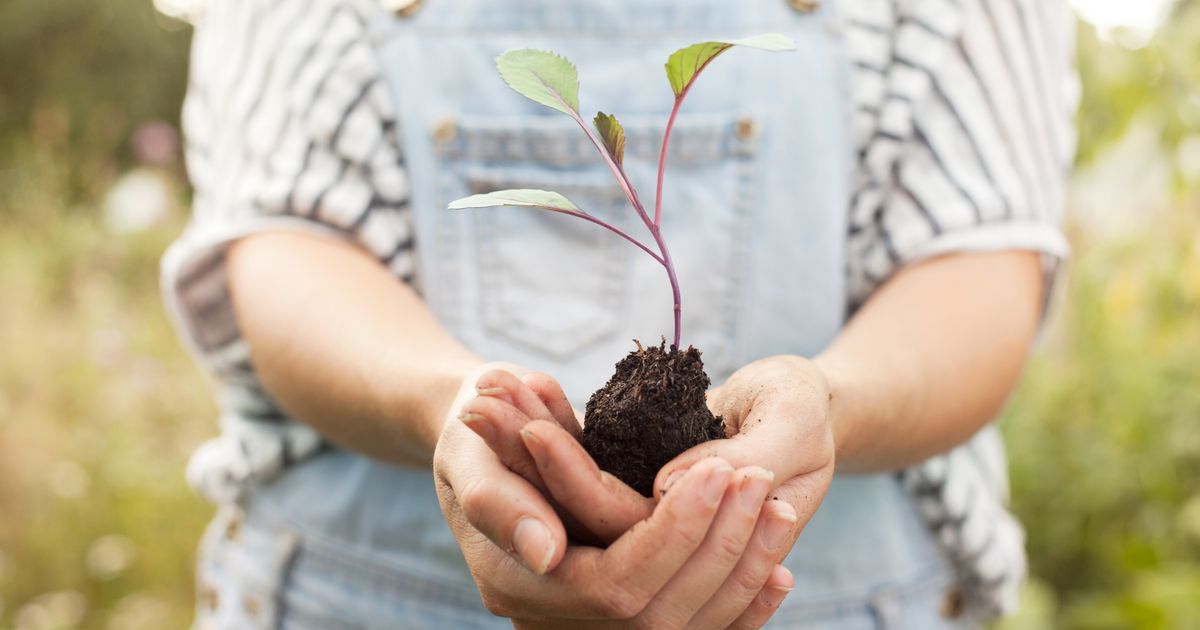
533, 444
489, 391
534, 544
672, 478
754, 488
774, 595
477, 423
718, 481
778, 529
754, 472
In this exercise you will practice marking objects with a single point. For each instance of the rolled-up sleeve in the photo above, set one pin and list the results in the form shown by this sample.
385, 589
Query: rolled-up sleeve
288, 127
965, 121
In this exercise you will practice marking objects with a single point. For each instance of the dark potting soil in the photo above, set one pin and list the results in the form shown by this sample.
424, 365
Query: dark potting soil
651, 410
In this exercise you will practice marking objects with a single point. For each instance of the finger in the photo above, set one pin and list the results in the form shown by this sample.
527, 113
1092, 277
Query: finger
712, 565
506, 386
508, 510
772, 539
603, 504
618, 582
767, 602
805, 494
637, 566
555, 399
499, 423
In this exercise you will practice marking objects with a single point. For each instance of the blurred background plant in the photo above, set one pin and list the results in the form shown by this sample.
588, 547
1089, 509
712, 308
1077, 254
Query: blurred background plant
99, 406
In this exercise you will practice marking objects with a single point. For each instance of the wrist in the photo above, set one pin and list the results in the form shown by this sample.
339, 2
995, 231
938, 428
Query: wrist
457, 388
841, 410
427, 408
871, 406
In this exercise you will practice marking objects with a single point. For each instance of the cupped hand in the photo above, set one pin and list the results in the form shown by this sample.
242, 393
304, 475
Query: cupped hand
705, 556
595, 506
776, 413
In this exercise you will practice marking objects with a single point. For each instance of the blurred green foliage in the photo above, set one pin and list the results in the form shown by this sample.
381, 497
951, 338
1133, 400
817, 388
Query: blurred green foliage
1159, 82
82, 75
99, 406
1104, 437
1104, 433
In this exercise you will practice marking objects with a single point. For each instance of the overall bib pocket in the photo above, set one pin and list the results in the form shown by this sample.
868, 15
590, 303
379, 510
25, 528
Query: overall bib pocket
557, 285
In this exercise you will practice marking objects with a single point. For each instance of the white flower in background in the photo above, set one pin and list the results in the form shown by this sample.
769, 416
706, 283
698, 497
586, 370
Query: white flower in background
140, 610
109, 556
1130, 24
1188, 157
1115, 195
139, 199
68, 480
186, 10
57, 609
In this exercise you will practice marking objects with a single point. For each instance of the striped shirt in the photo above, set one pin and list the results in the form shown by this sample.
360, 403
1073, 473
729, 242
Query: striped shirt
963, 127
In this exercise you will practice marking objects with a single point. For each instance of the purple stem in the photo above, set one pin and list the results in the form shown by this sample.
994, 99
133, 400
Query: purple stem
655, 229
623, 180
656, 225
662, 157
675, 294
610, 227
631, 194
617, 171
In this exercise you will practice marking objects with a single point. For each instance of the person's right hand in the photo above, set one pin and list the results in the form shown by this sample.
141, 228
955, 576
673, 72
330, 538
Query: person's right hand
705, 557
595, 506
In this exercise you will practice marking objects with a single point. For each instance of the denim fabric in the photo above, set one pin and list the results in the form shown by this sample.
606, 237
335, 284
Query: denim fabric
346, 543
257, 572
754, 213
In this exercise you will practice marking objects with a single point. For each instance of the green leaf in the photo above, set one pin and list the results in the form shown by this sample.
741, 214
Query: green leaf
541, 76
684, 64
612, 134
546, 199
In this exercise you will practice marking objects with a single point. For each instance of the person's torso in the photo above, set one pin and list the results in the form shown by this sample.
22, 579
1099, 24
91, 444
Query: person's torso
754, 212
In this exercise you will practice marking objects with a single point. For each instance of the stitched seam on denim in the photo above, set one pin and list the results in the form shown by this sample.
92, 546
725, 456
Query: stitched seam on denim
495, 311
448, 228
655, 36
549, 140
399, 612
351, 557
361, 574
922, 582
642, 25
307, 615
745, 163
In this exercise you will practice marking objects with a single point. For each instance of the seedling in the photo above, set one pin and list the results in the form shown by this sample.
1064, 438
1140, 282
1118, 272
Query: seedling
551, 80
654, 406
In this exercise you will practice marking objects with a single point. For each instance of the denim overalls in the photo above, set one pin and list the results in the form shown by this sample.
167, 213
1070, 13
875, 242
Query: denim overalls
754, 213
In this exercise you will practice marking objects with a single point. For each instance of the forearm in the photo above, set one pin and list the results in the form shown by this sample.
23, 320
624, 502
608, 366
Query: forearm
930, 358
343, 346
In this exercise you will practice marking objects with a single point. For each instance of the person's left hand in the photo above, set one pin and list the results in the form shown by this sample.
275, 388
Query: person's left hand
776, 413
